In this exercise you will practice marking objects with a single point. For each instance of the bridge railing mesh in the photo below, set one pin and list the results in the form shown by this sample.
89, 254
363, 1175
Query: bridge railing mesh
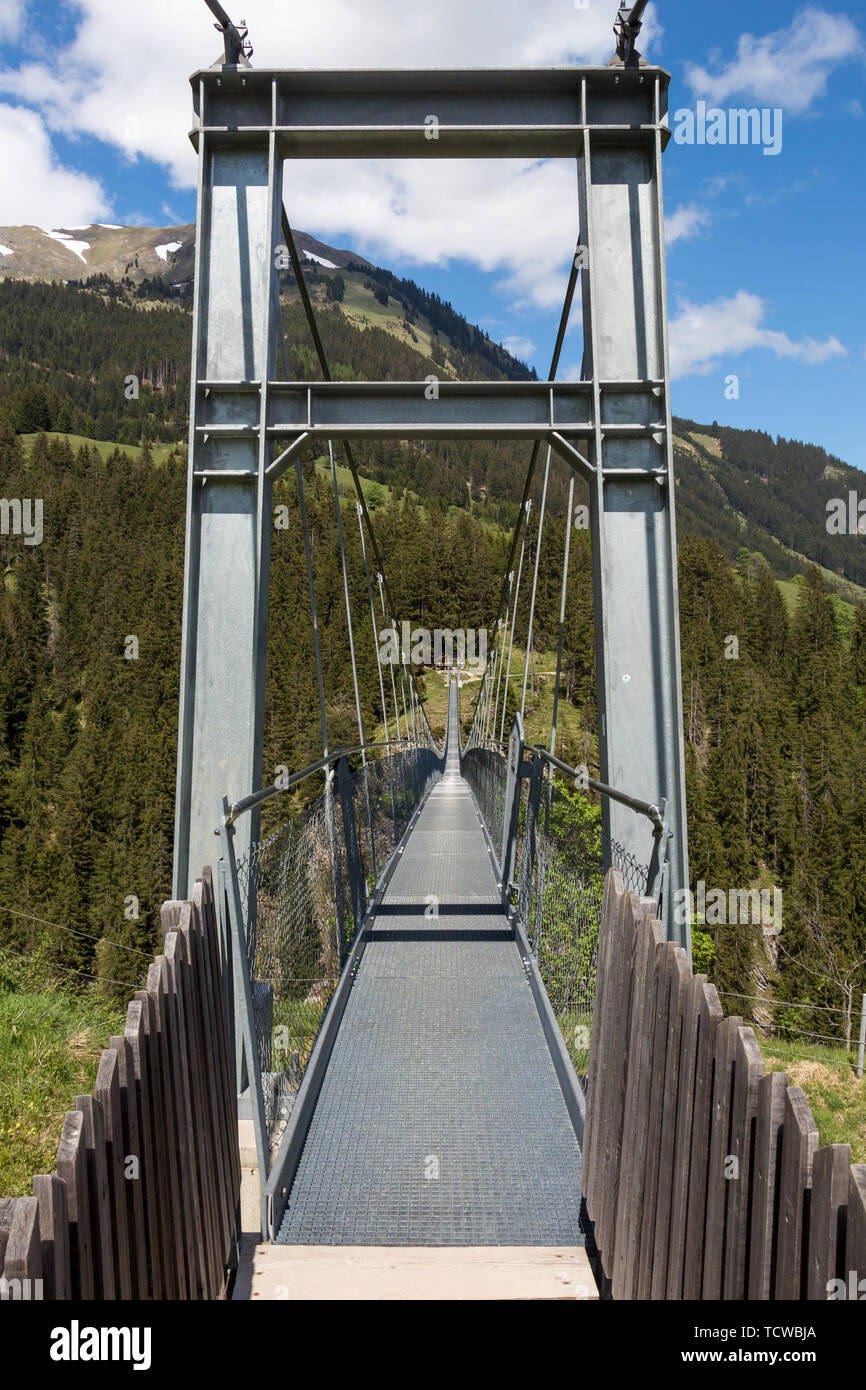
559, 882
297, 907
386, 794
486, 771
290, 908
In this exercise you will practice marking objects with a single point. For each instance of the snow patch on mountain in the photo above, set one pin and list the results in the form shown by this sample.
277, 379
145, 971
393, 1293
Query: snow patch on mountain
167, 246
329, 265
77, 247
6, 250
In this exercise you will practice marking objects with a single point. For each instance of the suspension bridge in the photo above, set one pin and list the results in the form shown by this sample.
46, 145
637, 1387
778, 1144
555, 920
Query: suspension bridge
439, 1016
470, 1090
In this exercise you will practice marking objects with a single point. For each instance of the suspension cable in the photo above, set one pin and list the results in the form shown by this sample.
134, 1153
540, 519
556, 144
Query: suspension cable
312, 322
300, 477
489, 679
551, 376
75, 931
531, 623
348, 605
322, 715
502, 650
378, 666
527, 508
373, 622
542, 867
565, 560
380, 582
482, 718
354, 664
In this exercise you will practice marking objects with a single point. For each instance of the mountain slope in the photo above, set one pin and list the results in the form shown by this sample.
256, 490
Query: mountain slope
32, 253
160, 261
748, 491
67, 350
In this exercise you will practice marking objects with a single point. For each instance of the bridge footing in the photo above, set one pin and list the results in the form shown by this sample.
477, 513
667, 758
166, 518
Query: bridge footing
424, 1273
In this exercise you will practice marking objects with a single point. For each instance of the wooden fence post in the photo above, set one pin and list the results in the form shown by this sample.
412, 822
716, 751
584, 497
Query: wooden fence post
649, 935
748, 1069
709, 1018
799, 1142
718, 1179
50, 1193
132, 1167
107, 1092
100, 1201
72, 1169
827, 1219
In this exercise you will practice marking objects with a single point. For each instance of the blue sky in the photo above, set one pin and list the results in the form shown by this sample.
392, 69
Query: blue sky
765, 260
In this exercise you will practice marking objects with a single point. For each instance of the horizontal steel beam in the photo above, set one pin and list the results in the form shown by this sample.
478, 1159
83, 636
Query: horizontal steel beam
429, 113
552, 410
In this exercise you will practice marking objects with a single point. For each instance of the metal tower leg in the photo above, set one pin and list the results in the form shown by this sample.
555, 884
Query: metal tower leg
632, 494
228, 496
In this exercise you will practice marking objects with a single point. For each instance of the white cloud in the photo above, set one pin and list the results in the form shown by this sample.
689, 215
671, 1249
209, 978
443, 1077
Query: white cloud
517, 218
571, 373
788, 68
119, 80
519, 347
11, 11
703, 334
34, 187
686, 222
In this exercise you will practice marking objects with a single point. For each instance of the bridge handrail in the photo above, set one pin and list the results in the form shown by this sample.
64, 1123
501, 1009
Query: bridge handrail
644, 808
248, 803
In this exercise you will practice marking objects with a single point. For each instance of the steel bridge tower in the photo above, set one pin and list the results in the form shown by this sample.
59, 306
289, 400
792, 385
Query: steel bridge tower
614, 425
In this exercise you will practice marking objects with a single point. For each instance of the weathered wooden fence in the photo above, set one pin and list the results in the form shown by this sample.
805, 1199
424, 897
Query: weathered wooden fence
143, 1201
703, 1175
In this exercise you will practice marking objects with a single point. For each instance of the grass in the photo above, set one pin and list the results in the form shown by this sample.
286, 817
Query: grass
539, 706
359, 304
105, 448
791, 589
375, 494
436, 701
837, 1099
708, 442
51, 1038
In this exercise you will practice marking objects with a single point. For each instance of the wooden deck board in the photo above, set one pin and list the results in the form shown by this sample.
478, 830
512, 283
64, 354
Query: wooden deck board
429, 1273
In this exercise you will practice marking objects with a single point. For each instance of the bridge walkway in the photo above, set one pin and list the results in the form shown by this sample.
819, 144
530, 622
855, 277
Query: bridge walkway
440, 1120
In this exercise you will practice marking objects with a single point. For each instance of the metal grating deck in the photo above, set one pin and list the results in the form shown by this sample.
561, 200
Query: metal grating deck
440, 1120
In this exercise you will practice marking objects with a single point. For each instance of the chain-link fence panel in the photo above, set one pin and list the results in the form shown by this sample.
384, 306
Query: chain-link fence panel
297, 904
387, 793
634, 872
559, 871
486, 771
559, 903
293, 898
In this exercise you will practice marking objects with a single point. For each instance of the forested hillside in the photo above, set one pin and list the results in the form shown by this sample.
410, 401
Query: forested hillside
111, 362
776, 737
